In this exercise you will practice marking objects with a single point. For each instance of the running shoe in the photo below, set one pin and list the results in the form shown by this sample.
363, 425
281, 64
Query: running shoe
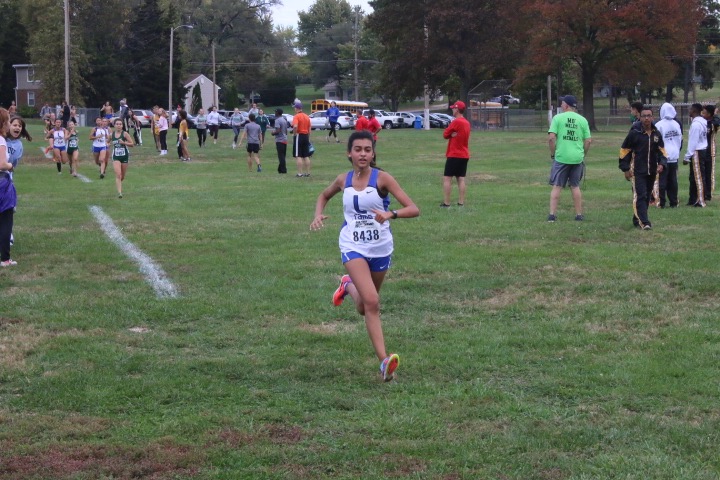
259, 169
579, 218
552, 218
341, 291
8, 263
388, 367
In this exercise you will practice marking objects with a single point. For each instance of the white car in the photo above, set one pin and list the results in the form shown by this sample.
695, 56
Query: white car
319, 120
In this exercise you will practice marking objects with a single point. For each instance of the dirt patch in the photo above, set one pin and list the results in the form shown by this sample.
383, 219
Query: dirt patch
17, 340
285, 434
330, 328
403, 466
157, 462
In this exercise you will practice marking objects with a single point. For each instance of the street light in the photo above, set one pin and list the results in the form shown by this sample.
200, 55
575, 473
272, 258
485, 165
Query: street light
172, 34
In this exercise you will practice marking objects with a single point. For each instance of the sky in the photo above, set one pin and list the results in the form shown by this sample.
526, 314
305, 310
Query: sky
286, 14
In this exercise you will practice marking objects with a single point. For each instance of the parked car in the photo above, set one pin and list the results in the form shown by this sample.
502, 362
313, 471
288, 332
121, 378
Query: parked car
445, 116
144, 117
319, 121
435, 121
387, 120
288, 119
505, 100
408, 119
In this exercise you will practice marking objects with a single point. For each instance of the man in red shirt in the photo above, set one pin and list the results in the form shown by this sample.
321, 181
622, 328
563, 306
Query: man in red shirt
361, 123
458, 154
301, 141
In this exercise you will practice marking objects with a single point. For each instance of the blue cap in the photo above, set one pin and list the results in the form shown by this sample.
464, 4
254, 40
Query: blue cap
570, 100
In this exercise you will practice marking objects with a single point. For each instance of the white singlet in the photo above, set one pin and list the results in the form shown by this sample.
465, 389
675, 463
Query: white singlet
361, 233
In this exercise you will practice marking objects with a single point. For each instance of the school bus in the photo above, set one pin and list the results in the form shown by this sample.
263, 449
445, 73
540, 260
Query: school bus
321, 104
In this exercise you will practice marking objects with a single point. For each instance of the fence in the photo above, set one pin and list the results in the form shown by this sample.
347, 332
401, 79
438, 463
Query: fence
525, 119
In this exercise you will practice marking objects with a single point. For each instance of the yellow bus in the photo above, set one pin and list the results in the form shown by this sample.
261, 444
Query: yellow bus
321, 104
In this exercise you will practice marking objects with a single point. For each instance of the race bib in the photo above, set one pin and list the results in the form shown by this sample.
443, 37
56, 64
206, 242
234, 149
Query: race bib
119, 151
365, 231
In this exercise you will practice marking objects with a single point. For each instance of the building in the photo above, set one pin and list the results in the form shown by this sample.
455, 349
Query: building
206, 91
27, 87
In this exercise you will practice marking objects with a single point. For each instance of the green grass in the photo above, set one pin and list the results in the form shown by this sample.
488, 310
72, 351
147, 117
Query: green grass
528, 350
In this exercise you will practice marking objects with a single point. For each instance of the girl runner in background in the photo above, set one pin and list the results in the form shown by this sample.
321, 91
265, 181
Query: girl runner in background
99, 136
72, 148
59, 136
201, 127
120, 141
366, 241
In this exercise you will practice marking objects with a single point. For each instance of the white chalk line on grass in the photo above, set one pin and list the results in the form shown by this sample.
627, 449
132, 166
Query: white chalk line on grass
153, 273
83, 178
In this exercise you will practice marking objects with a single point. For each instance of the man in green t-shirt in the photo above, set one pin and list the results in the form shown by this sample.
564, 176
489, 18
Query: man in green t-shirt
569, 140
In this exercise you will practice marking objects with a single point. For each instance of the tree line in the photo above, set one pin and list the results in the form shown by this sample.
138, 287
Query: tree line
396, 53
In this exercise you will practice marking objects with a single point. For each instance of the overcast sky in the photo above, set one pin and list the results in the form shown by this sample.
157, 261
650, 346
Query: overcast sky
287, 16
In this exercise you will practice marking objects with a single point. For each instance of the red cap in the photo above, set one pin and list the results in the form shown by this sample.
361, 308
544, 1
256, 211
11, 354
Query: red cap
459, 105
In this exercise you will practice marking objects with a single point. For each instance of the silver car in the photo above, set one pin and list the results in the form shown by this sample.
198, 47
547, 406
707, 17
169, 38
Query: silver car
319, 121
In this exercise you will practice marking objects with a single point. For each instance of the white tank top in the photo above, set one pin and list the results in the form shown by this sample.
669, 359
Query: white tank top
101, 135
59, 138
361, 233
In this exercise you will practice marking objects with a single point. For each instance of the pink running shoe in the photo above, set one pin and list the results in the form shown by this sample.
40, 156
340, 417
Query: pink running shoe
388, 367
341, 291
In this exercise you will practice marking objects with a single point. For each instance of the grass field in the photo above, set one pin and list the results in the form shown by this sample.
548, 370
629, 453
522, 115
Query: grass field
573, 350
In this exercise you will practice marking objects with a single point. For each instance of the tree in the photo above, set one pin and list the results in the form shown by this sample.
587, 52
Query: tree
196, 103
429, 42
623, 41
13, 44
321, 31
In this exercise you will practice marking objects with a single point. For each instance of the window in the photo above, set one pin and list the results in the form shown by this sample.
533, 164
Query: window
331, 94
31, 74
31, 99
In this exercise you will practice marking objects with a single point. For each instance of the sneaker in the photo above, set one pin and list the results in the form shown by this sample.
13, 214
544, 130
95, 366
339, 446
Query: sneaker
119, 195
8, 263
647, 226
306, 175
552, 218
102, 175
337, 141
388, 367
259, 168
234, 145
579, 218
444, 205
299, 175
341, 291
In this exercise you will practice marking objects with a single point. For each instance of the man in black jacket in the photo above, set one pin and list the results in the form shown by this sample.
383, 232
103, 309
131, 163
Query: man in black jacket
642, 158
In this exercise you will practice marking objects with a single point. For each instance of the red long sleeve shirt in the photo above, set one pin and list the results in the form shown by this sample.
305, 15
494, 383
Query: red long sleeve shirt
458, 144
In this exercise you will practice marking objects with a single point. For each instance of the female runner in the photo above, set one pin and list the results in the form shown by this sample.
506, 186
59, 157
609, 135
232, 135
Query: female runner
120, 141
366, 242
99, 135
72, 148
59, 136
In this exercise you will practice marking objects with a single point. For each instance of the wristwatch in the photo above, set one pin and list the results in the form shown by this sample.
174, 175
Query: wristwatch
394, 212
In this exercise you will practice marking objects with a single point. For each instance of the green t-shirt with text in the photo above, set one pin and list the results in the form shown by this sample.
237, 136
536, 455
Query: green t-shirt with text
571, 130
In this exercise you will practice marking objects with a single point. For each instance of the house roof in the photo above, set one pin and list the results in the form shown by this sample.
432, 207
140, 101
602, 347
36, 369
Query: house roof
191, 78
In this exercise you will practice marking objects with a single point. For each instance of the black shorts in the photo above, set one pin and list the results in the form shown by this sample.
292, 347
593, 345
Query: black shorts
301, 145
253, 148
455, 167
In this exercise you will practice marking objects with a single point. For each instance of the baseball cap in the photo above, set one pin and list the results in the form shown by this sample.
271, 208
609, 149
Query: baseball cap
278, 111
570, 100
297, 104
459, 105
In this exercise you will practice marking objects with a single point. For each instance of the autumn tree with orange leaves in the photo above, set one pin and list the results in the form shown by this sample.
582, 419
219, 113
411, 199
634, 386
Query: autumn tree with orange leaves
620, 42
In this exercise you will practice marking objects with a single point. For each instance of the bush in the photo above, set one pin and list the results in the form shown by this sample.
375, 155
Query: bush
26, 111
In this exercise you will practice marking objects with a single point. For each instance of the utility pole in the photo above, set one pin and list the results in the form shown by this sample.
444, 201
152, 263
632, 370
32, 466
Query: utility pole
356, 37
215, 89
67, 52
